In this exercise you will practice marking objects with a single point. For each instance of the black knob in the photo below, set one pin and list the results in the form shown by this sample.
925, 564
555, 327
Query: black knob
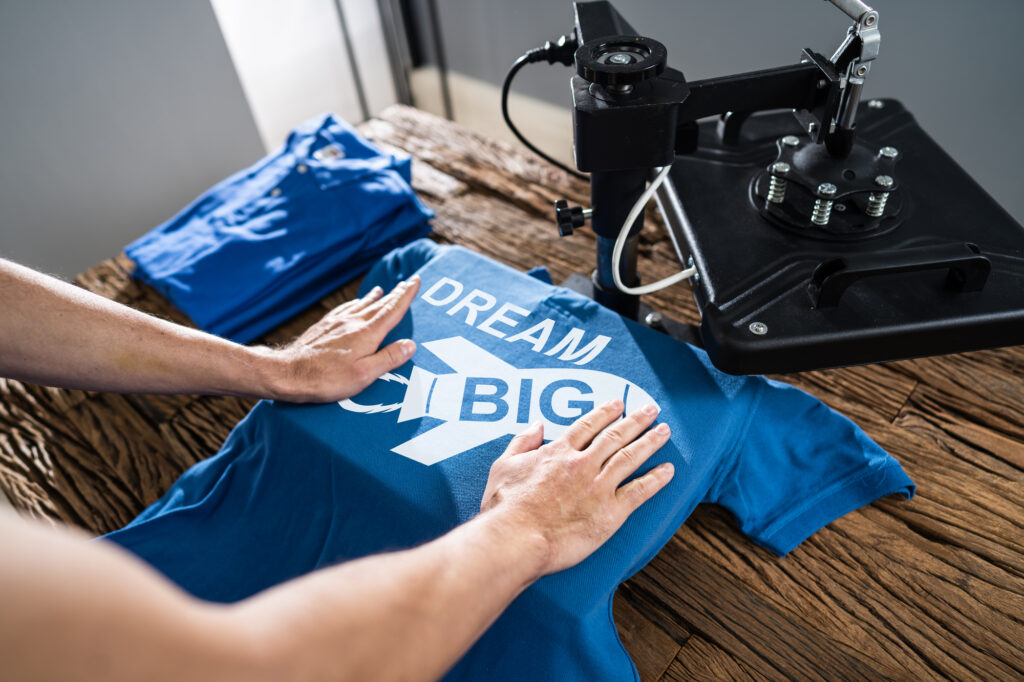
568, 217
620, 60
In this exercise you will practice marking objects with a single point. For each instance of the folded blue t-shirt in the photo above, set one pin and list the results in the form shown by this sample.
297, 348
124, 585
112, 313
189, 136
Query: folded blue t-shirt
296, 488
272, 239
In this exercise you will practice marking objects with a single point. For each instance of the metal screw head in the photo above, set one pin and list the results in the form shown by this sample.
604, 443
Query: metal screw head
827, 189
862, 70
759, 328
620, 58
653, 319
883, 181
302, 168
696, 275
780, 168
888, 152
876, 104
791, 141
870, 19
839, 207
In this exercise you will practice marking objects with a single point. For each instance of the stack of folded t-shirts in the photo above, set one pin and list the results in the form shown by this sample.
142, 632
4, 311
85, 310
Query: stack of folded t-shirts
274, 238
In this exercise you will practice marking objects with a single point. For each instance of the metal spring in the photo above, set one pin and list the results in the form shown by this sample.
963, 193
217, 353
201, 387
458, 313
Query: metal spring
876, 204
776, 189
822, 212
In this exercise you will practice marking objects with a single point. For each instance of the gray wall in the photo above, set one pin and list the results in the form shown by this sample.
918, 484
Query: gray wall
115, 114
955, 65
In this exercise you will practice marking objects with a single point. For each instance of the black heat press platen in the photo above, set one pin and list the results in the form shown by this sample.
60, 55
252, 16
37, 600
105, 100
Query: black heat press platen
943, 272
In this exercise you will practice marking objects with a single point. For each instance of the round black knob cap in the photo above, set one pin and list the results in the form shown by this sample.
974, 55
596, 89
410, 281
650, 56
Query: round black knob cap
620, 60
568, 217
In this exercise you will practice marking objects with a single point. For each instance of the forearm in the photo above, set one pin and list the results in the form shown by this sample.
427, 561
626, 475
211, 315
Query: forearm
402, 616
57, 334
407, 615
77, 610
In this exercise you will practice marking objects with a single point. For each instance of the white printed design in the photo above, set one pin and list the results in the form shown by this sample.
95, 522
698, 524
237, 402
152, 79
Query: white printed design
486, 398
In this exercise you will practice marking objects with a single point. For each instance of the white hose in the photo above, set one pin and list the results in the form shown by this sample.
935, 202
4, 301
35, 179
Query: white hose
620, 243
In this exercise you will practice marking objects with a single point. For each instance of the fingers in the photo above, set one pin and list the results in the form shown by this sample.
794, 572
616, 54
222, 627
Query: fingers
622, 432
641, 489
589, 425
372, 295
385, 313
391, 356
530, 439
629, 458
355, 305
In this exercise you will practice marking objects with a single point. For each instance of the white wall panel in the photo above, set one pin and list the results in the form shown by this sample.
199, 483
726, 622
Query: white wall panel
292, 62
364, 26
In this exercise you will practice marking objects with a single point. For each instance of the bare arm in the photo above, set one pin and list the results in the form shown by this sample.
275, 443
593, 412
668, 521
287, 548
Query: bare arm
54, 333
408, 615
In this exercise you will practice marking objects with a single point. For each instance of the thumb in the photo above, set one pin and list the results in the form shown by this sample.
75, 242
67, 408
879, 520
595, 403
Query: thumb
391, 356
530, 439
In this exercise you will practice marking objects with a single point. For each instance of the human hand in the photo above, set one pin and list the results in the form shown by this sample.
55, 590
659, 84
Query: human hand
570, 491
338, 356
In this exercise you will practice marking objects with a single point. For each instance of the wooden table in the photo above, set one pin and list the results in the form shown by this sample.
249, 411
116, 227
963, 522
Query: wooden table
925, 589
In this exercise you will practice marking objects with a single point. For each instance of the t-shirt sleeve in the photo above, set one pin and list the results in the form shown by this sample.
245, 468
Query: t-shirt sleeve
799, 465
400, 264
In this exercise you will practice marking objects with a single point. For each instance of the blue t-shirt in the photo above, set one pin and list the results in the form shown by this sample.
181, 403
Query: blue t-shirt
299, 487
263, 244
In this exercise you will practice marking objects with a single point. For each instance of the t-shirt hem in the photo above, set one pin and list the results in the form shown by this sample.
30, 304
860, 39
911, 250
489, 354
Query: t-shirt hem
845, 498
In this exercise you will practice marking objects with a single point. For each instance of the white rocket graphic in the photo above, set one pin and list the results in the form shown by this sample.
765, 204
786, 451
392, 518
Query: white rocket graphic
486, 398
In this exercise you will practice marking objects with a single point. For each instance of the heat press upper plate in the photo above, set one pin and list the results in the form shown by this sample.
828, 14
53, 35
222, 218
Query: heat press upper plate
753, 271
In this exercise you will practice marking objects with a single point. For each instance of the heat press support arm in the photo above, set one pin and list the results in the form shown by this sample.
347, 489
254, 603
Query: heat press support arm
630, 118
853, 58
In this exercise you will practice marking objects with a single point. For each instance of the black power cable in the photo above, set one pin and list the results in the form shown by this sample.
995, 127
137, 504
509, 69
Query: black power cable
560, 51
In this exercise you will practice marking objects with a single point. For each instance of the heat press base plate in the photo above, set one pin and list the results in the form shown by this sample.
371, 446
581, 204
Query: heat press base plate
758, 314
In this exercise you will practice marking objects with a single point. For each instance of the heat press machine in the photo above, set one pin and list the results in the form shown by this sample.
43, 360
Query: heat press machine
815, 229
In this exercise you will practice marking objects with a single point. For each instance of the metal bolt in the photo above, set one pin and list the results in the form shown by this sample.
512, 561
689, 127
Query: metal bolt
759, 328
862, 70
696, 275
876, 104
823, 207
791, 141
888, 152
653, 319
876, 200
776, 183
620, 58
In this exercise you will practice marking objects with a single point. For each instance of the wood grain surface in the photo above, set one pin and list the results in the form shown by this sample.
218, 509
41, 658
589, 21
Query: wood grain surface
927, 589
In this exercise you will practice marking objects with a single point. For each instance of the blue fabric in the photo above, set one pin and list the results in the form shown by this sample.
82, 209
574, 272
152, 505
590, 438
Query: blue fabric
265, 243
299, 487
541, 273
